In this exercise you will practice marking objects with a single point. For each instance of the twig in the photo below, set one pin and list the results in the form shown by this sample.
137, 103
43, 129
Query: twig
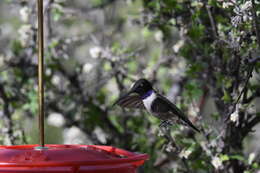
249, 75
166, 131
252, 97
251, 124
83, 11
167, 134
162, 162
186, 165
255, 22
47, 12
102, 5
7, 116
212, 22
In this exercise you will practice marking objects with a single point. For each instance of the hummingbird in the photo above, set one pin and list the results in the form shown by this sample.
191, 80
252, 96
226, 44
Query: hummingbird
143, 96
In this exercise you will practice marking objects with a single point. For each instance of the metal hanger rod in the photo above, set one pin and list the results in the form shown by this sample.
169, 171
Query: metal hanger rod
40, 37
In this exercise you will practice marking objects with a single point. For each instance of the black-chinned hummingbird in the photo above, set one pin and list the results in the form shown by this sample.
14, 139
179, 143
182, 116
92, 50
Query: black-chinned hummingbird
143, 96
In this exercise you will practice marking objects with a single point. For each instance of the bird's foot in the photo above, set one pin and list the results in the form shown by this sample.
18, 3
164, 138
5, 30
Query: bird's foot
165, 124
171, 147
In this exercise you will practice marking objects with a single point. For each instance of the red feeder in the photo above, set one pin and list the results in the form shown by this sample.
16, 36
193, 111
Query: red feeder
64, 158
68, 159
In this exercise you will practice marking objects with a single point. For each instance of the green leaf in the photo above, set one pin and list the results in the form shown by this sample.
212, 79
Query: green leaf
116, 47
193, 90
256, 165
197, 31
32, 104
57, 13
194, 69
114, 121
107, 66
187, 50
132, 66
16, 47
54, 43
154, 4
237, 157
170, 3
224, 157
215, 116
226, 97
247, 171
96, 2
146, 32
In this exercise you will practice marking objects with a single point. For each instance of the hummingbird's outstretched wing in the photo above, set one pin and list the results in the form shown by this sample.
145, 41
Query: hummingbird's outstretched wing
166, 110
130, 101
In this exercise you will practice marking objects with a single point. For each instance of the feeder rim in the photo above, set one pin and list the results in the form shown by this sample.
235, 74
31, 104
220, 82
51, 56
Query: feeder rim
134, 158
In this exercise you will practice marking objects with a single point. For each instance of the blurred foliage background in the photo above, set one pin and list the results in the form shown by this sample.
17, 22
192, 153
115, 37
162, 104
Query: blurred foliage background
202, 54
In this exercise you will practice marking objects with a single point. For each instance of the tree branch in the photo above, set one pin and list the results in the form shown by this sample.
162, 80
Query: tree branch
249, 75
7, 116
255, 22
248, 127
212, 22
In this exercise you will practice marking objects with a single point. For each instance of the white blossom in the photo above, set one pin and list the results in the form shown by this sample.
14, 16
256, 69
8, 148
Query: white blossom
247, 17
24, 14
74, 135
56, 119
216, 162
59, 1
160, 133
251, 158
56, 80
48, 72
226, 4
246, 6
236, 20
234, 116
243, 13
158, 36
101, 135
25, 33
87, 67
95, 52
1, 60
193, 110
185, 153
169, 147
177, 46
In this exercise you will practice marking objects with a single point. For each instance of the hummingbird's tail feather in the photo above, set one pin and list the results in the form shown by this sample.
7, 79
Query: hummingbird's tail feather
167, 110
187, 121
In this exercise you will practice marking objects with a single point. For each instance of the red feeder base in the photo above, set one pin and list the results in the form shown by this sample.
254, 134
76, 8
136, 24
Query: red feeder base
68, 159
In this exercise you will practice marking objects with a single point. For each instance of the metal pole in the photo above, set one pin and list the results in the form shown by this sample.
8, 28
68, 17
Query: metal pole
40, 72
